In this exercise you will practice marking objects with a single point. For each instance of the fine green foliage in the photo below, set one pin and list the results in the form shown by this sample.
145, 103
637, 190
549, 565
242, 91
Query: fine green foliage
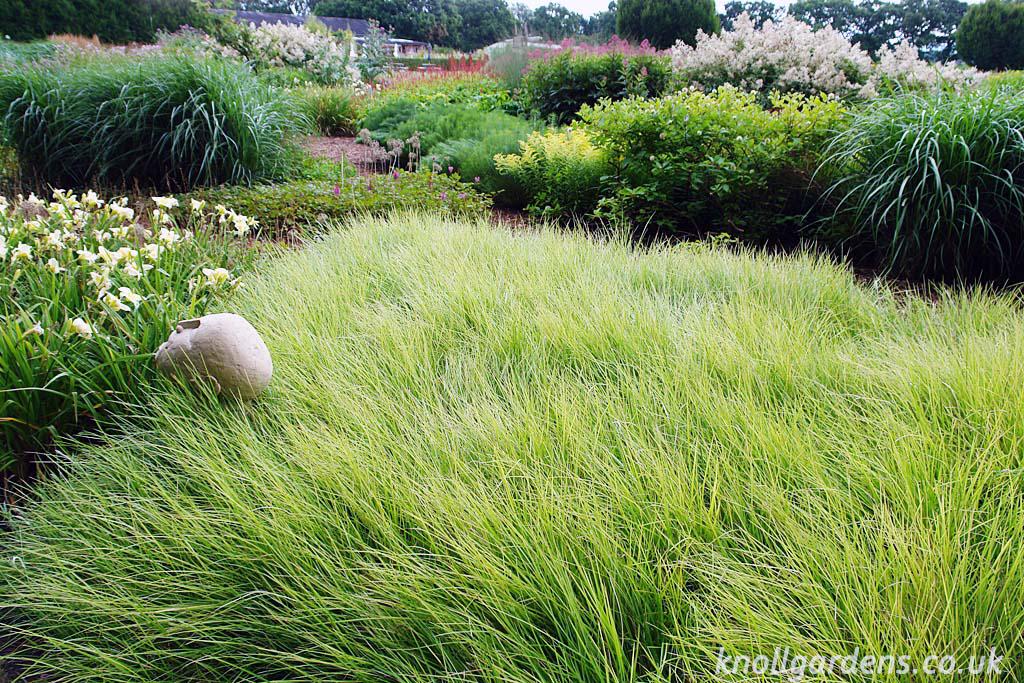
496, 456
332, 110
115, 21
1006, 79
561, 172
559, 86
990, 36
481, 91
508, 64
935, 184
87, 297
301, 205
16, 54
694, 162
456, 138
663, 22
161, 122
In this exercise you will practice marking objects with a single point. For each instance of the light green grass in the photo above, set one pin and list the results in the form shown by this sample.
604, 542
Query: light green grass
490, 456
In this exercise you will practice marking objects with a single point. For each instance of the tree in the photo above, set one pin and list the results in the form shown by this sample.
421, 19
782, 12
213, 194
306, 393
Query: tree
555, 22
931, 26
602, 24
663, 22
871, 24
991, 35
114, 21
300, 7
760, 11
484, 22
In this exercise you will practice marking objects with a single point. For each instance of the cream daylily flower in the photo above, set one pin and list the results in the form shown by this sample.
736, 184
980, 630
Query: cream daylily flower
152, 251
92, 200
128, 295
22, 252
53, 265
197, 205
166, 202
216, 276
81, 328
100, 279
112, 300
87, 256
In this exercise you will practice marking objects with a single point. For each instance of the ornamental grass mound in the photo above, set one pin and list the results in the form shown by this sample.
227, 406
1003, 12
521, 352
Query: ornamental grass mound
165, 122
531, 457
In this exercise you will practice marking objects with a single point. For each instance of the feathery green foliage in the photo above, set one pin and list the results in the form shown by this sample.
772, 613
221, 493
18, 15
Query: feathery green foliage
489, 456
166, 122
935, 184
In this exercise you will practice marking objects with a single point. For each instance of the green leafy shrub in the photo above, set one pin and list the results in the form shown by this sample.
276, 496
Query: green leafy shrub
526, 457
935, 184
333, 111
162, 122
559, 86
296, 206
561, 172
991, 35
693, 162
88, 294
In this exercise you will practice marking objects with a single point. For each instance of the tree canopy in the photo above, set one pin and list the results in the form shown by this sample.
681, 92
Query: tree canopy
991, 35
930, 25
759, 11
663, 22
114, 21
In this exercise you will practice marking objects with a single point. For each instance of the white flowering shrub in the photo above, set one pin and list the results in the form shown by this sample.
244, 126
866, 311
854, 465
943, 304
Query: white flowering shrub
324, 57
902, 66
89, 290
790, 56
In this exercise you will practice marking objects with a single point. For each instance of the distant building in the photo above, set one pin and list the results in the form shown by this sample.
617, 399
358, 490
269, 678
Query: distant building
359, 28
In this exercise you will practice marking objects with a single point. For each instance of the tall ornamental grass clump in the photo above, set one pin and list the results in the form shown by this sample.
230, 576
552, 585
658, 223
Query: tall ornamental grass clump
935, 184
164, 122
88, 295
498, 456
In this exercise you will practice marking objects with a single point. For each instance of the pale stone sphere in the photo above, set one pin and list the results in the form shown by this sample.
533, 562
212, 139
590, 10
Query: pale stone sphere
223, 349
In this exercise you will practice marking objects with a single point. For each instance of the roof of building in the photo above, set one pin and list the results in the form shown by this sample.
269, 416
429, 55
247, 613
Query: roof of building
357, 27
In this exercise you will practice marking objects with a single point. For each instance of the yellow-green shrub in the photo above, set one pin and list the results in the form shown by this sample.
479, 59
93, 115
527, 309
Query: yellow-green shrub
561, 171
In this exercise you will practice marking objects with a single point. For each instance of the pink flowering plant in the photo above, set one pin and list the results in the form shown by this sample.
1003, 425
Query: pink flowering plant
90, 290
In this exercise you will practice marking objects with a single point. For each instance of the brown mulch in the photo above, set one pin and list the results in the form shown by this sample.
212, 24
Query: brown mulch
336, 149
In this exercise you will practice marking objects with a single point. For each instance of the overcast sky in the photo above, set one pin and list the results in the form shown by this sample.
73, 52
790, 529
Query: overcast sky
589, 7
